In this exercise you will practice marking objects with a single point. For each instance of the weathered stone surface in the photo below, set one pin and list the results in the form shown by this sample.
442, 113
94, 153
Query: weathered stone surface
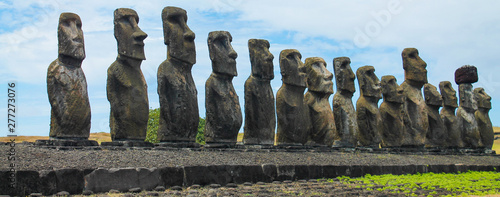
293, 118
123, 179
447, 113
465, 117
483, 118
171, 176
66, 83
223, 111
367, 112
179, 116
126, 87
48, 182
320, 87
415, 114
27, 182
260, 117
391, 112
466, 74
437, 130
70, 180
205, 175
346, 120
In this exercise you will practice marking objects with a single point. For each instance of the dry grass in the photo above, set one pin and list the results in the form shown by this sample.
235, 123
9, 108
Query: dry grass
99, 137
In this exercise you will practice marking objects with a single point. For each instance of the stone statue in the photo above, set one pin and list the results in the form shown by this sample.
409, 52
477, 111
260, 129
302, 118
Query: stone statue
369, 118
293, 118
437, 130
482, 117
415, 113
447, 113
126, 87
319, 89
464, 77
391, 111
179, 116
66, 83
343, 109
260, 117
223, 115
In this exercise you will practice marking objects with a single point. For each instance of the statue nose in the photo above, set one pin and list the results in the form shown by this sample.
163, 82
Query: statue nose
189, 35
233, 54
139, 35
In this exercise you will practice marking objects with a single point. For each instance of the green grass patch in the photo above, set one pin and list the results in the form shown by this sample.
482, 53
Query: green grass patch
462, 184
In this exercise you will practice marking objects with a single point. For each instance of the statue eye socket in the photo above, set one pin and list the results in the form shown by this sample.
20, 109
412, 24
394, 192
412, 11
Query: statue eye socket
289, 56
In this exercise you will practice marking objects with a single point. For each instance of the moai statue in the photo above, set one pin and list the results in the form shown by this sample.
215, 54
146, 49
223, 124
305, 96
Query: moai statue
66, 83
369, 118
293, 118
179, 116
464, 77
391, 111
126, 87
319, 89
437, 131
415, 113
260, 117
447, 113
223, 115
343, 109
483, 119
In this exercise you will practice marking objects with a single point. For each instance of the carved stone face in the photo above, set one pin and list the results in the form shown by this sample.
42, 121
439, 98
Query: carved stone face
70, 36
222, 53
343, 74
129, 36
466, 95
261, 59
292, 68
483, 99
369, 83
448, 94
414, 67
177, 35
432, 96
319, 79
391, 90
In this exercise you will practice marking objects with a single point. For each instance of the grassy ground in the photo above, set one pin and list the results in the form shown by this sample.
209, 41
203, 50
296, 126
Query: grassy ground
105, 137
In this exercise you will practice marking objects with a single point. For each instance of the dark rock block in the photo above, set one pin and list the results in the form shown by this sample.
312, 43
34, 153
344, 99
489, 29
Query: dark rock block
48, 182
243, 173
171, 176
285, 172
270, 171
301, 172
6, 178
103, 180
148, 178
204, 175
315, 171
357, 171
466, 74
27, 182
70, 180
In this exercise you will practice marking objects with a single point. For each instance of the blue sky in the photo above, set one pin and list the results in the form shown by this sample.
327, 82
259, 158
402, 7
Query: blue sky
448, 34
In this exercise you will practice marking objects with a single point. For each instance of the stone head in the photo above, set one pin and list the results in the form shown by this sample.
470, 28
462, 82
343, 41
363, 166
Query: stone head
222, 53
415, 72
369, 84
344, 75
483, 99
70, 36
466, 95
432, 96
319, 79
261, 59
292, 68
177, 35
391, 90
129, 36
448, 94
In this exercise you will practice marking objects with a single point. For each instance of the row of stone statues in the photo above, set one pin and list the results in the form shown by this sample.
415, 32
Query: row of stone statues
405, 118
